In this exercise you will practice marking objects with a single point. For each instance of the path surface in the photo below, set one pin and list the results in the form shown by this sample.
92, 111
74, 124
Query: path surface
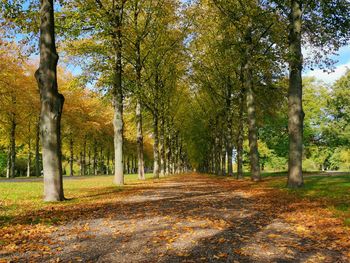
191, 219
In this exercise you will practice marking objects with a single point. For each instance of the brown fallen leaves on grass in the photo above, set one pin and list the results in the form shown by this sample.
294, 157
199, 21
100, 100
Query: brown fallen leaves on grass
193, 217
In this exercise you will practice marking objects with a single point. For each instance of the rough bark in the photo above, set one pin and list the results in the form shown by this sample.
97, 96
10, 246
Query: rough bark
252, 132
240, 138
139, 139
295, 111
51, 105
117, 93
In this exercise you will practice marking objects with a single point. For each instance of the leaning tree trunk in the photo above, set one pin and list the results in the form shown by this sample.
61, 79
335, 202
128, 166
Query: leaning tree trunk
295, 112
71, 158
252, 130
240, 138
155, 146
51, 105
139, 138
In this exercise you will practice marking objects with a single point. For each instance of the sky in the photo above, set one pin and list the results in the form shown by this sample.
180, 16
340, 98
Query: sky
341, 67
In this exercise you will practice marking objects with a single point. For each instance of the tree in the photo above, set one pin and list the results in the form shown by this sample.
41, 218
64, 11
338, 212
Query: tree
51, 105
304, 22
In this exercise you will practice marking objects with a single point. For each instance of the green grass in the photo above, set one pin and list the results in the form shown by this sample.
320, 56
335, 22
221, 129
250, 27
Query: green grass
333, 190
17, 198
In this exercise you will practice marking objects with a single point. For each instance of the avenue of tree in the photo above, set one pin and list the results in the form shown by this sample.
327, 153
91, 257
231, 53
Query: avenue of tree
209, 85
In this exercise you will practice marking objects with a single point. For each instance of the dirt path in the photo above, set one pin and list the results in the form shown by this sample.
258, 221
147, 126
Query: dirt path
195, 219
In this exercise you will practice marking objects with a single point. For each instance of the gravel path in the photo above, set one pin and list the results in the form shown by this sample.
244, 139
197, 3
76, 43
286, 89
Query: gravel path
190, 218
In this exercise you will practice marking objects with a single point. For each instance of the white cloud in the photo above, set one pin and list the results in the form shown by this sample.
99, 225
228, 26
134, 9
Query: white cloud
331, 77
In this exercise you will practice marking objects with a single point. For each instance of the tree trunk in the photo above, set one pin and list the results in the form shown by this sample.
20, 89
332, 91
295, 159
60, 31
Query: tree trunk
101, 161
107, 165
252, 130
71, 172
167, 151
155, 146
8, 163
84, 157
295, 112
162, 147
141, 168
94, 160
117, 98
179, 156
37, 153
88, 166
29, 161
240, 138
128, 164
81, 164
217, 156
134, 165
228, 138
13, 146
223, 160
51, 105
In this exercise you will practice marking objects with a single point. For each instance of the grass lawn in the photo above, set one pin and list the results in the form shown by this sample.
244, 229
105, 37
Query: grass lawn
332, 190
18, 198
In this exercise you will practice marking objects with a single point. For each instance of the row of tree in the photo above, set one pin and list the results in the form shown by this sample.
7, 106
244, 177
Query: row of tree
193, 77
240, 55
131, 52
